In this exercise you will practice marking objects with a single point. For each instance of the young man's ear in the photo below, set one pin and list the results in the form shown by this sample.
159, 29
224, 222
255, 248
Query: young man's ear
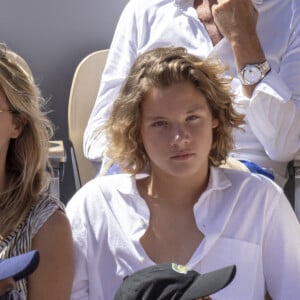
215, 123
18, 125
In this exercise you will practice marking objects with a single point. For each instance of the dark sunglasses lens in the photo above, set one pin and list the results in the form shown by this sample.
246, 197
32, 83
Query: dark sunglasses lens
11, 295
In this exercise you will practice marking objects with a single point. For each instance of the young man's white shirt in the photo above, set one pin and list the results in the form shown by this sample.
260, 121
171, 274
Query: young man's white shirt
245, 218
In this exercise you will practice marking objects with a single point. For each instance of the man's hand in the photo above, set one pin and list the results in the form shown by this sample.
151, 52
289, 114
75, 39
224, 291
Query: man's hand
235, 19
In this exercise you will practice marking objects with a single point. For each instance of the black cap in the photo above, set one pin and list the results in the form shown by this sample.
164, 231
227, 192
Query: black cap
172, 281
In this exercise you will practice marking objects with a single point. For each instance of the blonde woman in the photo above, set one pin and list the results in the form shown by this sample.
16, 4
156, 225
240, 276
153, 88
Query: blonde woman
170, 128
30, 217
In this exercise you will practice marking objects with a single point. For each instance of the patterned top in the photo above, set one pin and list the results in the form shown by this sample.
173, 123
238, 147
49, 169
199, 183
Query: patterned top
20, 240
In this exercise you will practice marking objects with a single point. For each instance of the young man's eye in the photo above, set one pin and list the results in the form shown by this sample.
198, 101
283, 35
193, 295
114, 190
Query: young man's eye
192, 118
159, 124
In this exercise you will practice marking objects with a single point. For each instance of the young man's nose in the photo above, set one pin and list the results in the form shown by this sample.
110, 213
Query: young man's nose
179, 134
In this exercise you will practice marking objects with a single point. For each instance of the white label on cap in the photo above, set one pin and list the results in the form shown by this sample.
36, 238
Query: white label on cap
180, 268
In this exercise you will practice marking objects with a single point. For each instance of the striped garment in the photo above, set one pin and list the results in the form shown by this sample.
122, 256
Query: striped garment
20, 240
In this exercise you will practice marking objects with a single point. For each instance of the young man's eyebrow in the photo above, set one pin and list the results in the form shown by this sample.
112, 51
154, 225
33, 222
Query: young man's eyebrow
153, 118
198, 107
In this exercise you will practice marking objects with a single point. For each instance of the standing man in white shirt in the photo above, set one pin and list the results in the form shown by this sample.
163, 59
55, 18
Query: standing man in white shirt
260, 42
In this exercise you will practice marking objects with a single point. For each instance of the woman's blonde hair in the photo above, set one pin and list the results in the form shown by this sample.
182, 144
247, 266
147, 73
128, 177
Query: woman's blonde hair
160, 68
27, 175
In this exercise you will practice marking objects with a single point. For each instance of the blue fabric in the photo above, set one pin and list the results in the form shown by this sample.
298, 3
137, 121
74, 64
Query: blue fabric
114, 169
255, 168
19, 266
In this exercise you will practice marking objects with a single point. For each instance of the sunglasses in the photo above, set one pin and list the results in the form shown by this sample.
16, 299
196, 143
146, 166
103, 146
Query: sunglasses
11, 295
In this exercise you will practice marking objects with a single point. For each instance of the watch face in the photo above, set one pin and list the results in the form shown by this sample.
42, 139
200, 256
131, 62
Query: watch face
252, 74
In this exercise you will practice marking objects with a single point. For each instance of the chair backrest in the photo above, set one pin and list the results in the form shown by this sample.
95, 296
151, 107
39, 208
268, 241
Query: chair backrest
83, 93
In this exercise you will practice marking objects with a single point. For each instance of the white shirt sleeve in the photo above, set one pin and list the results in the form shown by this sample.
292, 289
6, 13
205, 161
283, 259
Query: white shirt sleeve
281, 252
274, 111
122, 54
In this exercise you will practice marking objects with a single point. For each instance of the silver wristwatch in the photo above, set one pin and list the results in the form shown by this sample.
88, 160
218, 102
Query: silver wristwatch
253, 73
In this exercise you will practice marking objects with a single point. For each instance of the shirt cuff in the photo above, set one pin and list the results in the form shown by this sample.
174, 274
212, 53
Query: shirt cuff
274, 86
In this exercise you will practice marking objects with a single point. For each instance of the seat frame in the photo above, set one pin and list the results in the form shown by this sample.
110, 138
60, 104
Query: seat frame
83, 93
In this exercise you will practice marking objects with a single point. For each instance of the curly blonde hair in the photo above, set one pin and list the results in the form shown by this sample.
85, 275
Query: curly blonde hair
160, 68
27, 172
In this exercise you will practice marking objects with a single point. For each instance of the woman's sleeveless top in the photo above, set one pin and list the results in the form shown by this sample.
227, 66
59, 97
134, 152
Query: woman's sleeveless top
20, 240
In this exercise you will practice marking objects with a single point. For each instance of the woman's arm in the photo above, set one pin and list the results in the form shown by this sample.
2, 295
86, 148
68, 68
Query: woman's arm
54, 276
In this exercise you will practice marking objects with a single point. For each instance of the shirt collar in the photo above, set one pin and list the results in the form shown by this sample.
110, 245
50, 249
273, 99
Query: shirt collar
126, 183
218, 180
